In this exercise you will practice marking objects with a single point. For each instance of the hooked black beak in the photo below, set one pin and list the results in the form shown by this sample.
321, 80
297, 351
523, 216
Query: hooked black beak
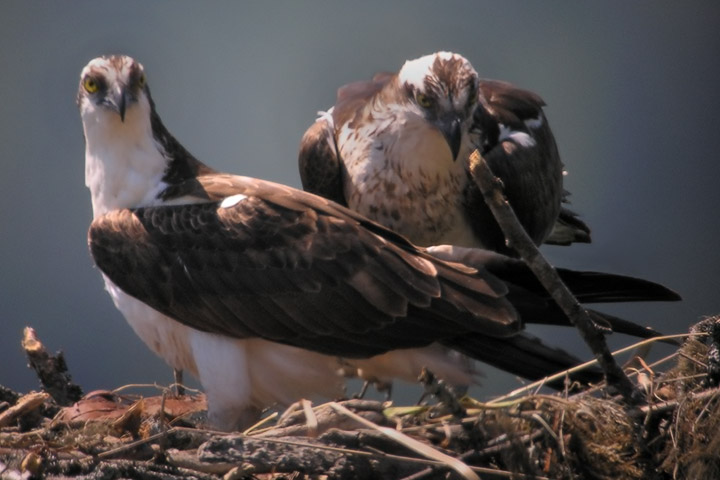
117, 100
451, 128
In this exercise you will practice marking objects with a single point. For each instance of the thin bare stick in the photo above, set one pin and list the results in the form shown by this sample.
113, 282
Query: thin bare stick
379, 454
131, 445
518, 240
531, 386
25, 404
155, 386
661, 407
425, 450
310, 418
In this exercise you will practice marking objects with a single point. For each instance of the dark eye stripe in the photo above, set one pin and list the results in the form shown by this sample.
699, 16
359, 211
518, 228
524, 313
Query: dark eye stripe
98, 80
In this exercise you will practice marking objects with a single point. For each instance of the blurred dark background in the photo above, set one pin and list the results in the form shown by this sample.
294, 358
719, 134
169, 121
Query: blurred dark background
631, 88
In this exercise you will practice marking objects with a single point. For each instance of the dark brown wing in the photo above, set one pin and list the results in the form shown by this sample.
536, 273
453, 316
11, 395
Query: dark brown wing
319, 162
531, 300
291, 267
568, 229
321, 168
520, 149
523, 355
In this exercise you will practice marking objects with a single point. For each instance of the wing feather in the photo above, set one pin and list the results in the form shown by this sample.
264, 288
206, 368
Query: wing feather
319, 161
290, 267
520, 148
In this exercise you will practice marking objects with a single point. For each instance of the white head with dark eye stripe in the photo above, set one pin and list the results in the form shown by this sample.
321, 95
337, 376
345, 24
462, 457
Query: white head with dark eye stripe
126, 145
131, 159
113, 84
443, 88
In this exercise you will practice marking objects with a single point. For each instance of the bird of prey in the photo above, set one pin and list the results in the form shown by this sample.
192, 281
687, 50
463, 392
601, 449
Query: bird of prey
266, 292
396, 149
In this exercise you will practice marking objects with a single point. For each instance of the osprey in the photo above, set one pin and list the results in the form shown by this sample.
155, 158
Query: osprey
266, 292
396, 149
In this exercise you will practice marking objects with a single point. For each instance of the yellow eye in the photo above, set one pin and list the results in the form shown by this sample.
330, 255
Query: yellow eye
91, 85
142, 80
423, 100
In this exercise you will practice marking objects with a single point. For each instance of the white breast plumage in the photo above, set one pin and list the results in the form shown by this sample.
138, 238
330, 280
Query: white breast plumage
420, 198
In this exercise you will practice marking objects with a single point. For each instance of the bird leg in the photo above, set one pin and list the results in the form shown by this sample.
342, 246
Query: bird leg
363, 390
384, 387
442, 392
179, 387
380, 386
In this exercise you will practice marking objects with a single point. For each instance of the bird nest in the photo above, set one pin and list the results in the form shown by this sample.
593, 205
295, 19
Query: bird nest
592, 434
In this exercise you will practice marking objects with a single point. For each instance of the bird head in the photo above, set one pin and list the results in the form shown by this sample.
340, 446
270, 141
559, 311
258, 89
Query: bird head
127, 148
443, 88
112, 85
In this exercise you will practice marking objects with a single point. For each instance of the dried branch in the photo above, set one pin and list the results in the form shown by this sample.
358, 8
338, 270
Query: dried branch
534, 436
51, 370
518, 240
25, 405
416, 446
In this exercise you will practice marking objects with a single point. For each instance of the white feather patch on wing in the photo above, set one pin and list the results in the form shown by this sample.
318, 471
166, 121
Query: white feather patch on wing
232, 200
534, 123
520, 138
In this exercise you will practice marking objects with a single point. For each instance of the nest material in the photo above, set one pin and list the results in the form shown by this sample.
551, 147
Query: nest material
590, 435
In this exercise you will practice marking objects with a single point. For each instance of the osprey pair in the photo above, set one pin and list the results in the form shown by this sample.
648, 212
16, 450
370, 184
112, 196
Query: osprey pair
265, 292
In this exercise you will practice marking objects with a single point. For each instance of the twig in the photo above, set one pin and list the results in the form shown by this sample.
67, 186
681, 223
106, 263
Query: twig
310, 418
531, 386
154, 386
51, 370
485, 471
232, 448
713, 355
460, 467
546, 426
661, 407
697, 362
131, 445
178, 382
663, 360
503, 442
8, 396
518, 240
25, 405
255, 428
188, 460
